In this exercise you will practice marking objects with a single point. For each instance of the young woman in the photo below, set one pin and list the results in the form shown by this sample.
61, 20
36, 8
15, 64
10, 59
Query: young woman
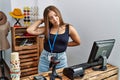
57, 34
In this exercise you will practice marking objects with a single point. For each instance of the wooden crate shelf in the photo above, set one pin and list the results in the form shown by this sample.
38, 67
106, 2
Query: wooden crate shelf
28, 48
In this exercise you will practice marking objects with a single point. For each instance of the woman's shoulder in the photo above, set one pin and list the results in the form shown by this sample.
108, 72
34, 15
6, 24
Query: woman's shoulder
67, 25
70, 28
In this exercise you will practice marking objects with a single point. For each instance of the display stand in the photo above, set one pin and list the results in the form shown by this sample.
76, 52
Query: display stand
17, 22
103, 65
3, 77
53, 64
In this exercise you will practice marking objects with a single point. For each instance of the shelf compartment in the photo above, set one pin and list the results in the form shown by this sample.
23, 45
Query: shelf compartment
25, 41
30, 71
29, 66
30, 59
27, 51
17, 48
28, 63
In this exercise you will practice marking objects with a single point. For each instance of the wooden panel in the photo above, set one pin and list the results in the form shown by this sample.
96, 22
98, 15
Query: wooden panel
104, 75
28, 56
100, 74
29, 69
114, 77
28, 63
29, 59
18, 48
29, 66
27, 73
27, 51
110, 74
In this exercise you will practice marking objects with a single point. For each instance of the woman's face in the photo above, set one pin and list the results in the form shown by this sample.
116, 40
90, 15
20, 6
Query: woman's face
53, 18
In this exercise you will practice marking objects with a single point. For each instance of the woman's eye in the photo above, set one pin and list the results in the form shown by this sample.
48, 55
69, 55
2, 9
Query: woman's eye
56, 15
51, 17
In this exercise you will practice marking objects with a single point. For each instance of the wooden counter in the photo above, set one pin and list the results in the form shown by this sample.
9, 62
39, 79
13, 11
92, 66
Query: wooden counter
110, 74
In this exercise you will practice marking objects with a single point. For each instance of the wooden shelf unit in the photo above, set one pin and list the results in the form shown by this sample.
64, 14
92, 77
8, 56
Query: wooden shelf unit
28, 48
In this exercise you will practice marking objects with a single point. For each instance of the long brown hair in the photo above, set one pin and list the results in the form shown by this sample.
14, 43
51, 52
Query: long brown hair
48, 25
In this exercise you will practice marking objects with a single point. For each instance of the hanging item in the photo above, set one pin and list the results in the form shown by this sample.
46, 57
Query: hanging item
3, 18
34, 13
17, 15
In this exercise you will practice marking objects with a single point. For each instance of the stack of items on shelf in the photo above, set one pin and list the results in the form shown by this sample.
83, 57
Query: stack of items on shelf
26, 42
15, 66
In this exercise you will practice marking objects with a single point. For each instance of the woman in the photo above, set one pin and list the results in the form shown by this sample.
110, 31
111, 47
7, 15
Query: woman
57, 35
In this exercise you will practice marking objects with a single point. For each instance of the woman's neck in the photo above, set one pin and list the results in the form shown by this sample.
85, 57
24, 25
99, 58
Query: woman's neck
55, 26
54, 29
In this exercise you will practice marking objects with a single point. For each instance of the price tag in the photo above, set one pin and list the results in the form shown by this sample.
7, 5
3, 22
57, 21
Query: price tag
49, 57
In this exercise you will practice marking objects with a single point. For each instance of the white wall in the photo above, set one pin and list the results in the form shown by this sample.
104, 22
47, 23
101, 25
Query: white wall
94, 20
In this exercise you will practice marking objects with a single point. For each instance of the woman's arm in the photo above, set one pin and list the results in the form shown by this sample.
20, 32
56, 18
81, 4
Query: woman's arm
34, 29
74, 36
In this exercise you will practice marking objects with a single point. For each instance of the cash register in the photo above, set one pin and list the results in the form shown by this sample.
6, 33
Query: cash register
100, 52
